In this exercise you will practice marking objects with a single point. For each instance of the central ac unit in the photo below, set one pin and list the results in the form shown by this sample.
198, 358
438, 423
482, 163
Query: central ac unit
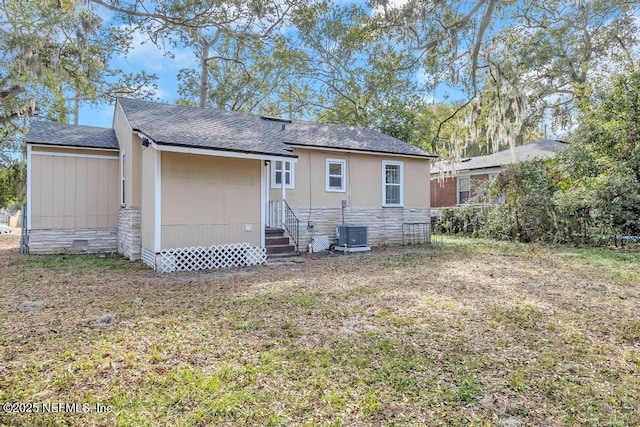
350, 235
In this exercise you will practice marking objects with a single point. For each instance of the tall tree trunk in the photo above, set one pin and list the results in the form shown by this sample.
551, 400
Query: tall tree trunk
204, 65
204, 72
76, 108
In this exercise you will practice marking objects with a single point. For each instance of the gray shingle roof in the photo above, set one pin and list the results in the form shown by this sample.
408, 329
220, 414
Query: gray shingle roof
340, 137
538, 149
204, 128
235, 131
71, 135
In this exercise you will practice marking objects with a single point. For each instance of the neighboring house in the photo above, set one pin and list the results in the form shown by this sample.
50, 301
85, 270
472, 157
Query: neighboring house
455, 184
186, 188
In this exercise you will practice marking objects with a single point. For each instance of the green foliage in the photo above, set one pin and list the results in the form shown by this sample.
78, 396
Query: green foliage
13, 178
592, 188
466, 219
52, 53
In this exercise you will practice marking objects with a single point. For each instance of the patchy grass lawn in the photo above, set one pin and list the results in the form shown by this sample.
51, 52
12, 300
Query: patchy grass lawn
471, 332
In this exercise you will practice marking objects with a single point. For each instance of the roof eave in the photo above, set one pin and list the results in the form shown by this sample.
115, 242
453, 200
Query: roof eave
175, 144
57, 145
390, 153
229, 150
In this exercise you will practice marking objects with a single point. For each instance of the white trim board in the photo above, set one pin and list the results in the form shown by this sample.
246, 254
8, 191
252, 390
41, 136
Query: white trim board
82, 156
157, 232
264, 189
69, 147
29, 166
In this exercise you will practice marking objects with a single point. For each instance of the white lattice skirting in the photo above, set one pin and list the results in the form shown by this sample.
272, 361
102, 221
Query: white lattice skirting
205, 258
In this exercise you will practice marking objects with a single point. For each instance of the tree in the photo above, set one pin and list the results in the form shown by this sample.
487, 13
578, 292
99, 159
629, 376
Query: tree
610, 129
13, 178
591, 187
359, 77
203, 26
261, 78
54, 52
513, 63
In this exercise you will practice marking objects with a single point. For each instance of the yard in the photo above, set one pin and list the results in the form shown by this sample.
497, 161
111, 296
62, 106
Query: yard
470, 332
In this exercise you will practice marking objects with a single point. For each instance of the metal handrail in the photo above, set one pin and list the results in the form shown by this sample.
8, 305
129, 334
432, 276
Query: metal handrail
291, 224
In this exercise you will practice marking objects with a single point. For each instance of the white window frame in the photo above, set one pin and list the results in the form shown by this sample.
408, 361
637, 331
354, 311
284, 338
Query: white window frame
386, 163
343, 176
122, 179
459, 189
274, 165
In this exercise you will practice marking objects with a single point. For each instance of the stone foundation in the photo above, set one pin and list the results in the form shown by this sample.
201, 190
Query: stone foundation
385, 224
103, 240
129, 238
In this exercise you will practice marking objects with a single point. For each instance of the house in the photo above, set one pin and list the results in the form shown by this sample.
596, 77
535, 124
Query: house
187, 188
455, 183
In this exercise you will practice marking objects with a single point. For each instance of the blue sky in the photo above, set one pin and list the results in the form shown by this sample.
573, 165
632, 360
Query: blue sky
143, 56
146, 56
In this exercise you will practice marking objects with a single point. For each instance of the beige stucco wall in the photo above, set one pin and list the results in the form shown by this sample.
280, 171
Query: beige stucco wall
363, 181
73, 193
208, 200
130, 144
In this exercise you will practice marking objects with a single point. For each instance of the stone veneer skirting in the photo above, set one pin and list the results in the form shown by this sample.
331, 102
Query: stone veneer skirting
385, 224
129, 237
83, 241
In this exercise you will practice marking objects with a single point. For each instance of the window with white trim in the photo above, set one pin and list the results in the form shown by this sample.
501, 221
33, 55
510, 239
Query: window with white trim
122, 179
464, 189
392, 183
335, 175
280, 169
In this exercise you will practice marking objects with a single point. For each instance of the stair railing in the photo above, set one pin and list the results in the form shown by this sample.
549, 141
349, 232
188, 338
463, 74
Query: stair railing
291, 224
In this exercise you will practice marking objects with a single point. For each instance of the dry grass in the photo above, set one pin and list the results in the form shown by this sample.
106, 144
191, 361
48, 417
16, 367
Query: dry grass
470, 333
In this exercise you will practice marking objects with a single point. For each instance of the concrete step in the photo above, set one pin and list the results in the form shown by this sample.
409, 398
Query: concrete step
273, 232
280, 249
275, 241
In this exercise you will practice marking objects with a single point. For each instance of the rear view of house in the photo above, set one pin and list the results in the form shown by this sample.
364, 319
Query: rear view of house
185, 188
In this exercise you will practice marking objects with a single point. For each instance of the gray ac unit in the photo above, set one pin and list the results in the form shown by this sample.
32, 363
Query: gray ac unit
350, 235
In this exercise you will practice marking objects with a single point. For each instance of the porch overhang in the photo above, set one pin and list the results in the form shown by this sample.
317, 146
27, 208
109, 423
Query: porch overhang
216, 152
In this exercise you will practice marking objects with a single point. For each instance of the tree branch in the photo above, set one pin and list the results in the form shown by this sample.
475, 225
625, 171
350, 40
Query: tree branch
11, 93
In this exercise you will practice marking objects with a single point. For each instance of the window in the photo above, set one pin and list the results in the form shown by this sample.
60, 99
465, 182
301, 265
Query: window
280, 169
335, 175
122, 179
464, 189
391, 183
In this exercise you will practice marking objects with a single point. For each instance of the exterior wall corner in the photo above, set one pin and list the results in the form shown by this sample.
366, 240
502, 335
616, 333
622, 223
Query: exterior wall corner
129, 234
